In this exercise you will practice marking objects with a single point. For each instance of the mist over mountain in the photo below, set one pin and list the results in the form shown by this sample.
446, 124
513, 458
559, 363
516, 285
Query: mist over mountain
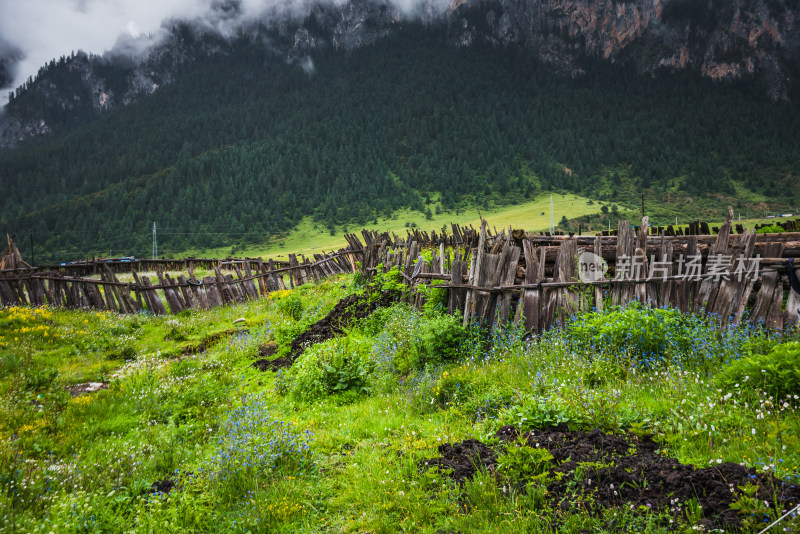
9, 57
241, 121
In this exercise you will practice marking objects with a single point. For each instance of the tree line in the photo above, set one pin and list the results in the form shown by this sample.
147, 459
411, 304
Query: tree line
244, 143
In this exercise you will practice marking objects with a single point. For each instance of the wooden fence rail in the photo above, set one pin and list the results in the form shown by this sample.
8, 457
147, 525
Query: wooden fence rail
535, 280
490, 276
243, 280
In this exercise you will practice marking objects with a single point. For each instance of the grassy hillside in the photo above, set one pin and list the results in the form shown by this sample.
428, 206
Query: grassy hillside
309, 237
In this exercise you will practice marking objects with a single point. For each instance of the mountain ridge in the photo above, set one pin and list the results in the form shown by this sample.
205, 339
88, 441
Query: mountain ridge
730, 40
250, 130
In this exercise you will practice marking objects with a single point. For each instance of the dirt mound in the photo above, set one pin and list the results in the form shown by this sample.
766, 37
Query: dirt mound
209, 341
346, 311
601, 471
463, 458
264, 364
162, 486
265, 350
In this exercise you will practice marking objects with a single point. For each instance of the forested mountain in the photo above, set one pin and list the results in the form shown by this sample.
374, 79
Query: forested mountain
239, 137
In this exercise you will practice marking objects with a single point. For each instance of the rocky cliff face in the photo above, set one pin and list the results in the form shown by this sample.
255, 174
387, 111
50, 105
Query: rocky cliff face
560, 31
721, 39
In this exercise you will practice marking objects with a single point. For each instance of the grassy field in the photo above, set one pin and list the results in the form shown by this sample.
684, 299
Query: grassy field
534, 216
308, 238
188, 436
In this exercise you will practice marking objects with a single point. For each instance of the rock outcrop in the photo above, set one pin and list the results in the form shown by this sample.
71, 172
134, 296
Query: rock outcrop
724, 40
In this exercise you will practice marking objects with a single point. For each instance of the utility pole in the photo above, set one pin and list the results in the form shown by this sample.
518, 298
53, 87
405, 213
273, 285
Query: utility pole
552, 225
155, 242
642, 205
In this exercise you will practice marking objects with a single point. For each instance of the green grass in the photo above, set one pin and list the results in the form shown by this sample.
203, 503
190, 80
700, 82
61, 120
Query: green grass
663, 208
308, 237
87, 464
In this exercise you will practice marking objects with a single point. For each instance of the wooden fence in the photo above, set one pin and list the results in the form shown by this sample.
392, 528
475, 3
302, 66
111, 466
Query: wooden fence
469, 236
491, 276
534, 280
165, 294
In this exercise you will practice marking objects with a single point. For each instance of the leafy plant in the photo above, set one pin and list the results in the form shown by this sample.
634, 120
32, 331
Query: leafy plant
391, 280
521, 464
534, 412
776, 373
333, 366
438, 339
435, 298
752, 509
292, 306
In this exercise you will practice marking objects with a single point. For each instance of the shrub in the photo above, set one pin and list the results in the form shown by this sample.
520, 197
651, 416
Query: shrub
642, 333
771, 229
776, 373
252, 444
408, 340
292, 306
334, 366
645, 337
435, 299
438, 339
391, 280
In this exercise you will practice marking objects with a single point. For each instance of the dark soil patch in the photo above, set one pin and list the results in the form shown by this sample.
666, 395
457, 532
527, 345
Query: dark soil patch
76, 390
264, 361
209, 341
606, 471
265, 350
463, 458
346, 311
264, 364
162, 486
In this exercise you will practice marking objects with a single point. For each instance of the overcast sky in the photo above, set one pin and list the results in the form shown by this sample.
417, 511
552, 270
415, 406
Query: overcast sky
41, 30
45, 29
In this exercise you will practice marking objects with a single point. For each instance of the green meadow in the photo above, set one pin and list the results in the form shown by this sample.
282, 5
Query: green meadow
185, 434
308, 237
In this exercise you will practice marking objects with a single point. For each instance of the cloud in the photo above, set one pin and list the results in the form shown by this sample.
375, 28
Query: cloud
47, 29
307, 64
40, 30
10, 57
